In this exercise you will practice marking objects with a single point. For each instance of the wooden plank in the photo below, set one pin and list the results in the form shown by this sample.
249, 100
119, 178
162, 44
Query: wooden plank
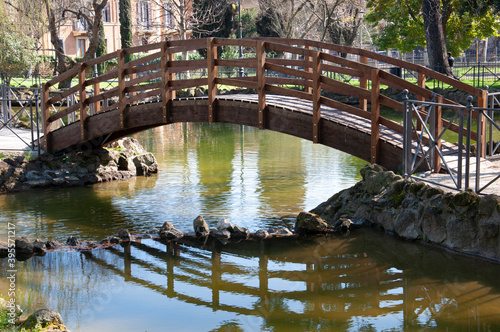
183, 84
346, 63
142, 48
375, 116
335, 86
212, 75
103, 78
482, 102
290, 62
287, 81
316, 96
343, 70
289, 71
145, 78
97, 91
143, 87
142, 96
247, 63
438, 127
63, 95
288, 92
237, 82
121, 88
289, 49
389, 102
143, 60
346, 108
82, 103
142, 69
235, 42
61, 77
261, 83
187, 64
363, 84
101, 59
166, 95
64, 112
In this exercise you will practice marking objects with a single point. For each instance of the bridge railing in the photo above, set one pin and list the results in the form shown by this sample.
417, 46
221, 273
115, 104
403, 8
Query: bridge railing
309, 66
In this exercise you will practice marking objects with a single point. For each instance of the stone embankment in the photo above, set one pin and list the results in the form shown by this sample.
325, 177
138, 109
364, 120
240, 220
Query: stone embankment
122, 159
465, 221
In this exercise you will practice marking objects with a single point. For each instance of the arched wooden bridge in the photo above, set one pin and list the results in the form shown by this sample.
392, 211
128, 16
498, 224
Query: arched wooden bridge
290, 95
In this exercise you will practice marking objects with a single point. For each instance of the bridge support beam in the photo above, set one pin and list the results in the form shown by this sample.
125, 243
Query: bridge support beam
316, 96
212, 75
375, 116
261, 78
166, 92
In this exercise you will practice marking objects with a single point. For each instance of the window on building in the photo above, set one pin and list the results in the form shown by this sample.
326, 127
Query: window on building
106, 14
168, 16
80, 48
144, 15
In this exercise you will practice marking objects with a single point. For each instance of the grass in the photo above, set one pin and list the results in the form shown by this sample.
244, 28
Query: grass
6, 324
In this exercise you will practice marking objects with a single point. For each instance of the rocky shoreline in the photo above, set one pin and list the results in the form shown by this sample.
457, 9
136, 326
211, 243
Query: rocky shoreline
120, 160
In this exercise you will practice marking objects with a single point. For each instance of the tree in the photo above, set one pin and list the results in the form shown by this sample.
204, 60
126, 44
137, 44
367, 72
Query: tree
409, 24
125, 19
91, 14
17, 49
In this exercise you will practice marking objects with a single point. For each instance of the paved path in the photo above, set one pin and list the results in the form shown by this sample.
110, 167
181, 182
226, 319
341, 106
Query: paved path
15, 140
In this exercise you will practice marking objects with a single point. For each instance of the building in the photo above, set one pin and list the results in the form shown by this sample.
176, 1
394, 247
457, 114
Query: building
150, 23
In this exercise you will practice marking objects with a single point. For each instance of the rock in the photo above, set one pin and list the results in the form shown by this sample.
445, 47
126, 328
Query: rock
145, 164
39, 246
53, 244
44, 318
279, 231
201, 227
224, 224
167, 225
24, 245
4, 249
309, 223
171, 234
72, 241
153, 231
240, 233
110, 240
220, 234
345, 225
261, 234
124, 234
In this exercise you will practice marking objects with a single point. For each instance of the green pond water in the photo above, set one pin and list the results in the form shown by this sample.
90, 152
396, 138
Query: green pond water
366, 281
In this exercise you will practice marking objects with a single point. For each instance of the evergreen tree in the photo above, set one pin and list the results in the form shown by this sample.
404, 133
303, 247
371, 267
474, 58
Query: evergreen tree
125, 20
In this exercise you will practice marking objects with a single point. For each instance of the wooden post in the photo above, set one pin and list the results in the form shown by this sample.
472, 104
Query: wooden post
83, 101
45, 116
212, 75
375, 116
308, 89
438, 127
97, 104
171, 75
166, 92
261, 80
316, 96
121, 87
363, 83
482, 102
421, 83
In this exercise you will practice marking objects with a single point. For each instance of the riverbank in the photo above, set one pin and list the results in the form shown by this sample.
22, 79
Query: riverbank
120, 160
464, 222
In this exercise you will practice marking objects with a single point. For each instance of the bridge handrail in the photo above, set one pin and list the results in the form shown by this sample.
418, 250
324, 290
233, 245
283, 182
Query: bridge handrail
153, 75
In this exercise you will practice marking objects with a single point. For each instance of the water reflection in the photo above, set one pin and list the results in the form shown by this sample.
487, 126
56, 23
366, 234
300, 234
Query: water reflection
366, 282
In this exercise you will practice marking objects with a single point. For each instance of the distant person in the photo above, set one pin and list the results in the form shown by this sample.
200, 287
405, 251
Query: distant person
451, 60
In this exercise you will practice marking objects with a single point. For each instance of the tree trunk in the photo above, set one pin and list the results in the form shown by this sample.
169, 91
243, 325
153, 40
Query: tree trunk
434, 36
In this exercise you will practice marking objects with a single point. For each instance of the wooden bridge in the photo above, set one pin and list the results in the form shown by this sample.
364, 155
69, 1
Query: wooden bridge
290, 95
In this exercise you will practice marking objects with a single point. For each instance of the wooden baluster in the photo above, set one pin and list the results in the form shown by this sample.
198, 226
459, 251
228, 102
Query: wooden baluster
316, 96
482, 102
212, 75
363, 83
166, 93
308, 89
97, 104
438, 127
421, 83
45, 116
121, 87
375, 116
261, 83
83, 101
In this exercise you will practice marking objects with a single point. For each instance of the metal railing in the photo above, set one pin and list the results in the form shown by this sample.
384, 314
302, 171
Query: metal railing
14, 105
425, 149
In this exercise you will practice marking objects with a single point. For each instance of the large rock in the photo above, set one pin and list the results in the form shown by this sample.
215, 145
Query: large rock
124, 234
171, 234
309, 223
44, 318
201, 227
24, 245
224, 224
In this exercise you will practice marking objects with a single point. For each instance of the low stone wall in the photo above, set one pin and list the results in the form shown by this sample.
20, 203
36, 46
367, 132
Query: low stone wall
122, 159
464, 222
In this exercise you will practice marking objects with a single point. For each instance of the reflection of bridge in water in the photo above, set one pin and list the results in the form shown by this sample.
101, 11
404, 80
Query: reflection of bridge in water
326, 284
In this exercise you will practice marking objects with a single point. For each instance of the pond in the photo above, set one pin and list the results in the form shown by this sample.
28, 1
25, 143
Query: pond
256, 179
